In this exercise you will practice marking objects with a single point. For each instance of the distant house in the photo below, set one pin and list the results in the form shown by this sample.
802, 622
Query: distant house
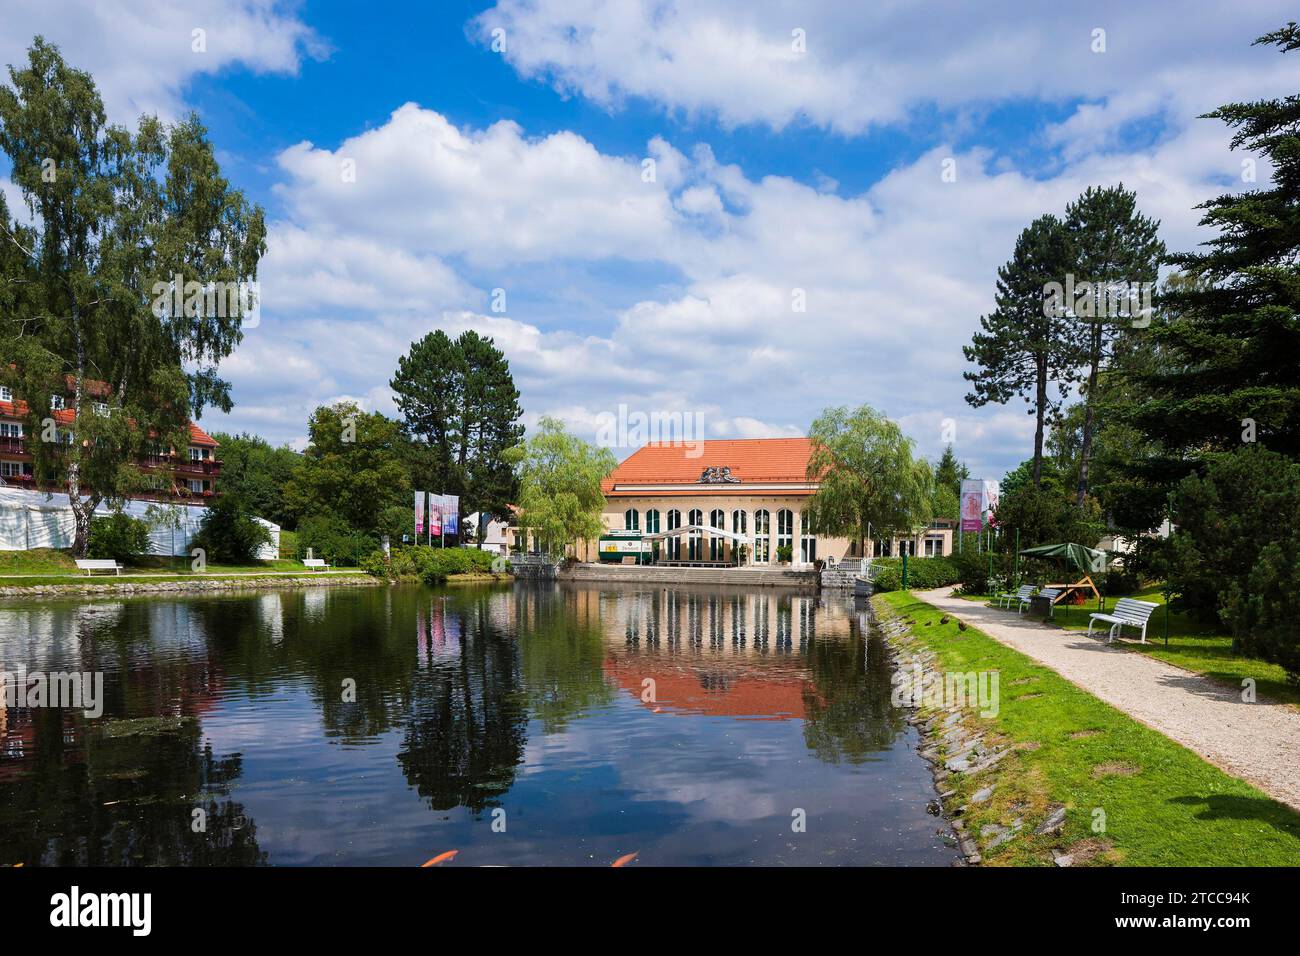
191, 471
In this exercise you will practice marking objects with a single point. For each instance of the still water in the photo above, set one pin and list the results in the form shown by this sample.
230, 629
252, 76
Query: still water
520, 725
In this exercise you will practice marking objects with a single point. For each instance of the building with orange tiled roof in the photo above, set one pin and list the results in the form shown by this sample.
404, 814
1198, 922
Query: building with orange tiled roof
712, 502
193, 469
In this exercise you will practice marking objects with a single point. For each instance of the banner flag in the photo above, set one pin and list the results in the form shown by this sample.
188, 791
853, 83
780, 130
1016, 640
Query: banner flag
419, 515
979, 498
435, 515
451, 514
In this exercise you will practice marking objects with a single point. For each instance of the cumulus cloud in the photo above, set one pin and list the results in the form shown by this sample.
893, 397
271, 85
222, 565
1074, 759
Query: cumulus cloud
847, 67
142, 54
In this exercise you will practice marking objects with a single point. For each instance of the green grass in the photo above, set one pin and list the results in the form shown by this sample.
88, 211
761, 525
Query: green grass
45, 566
1192, 646
1175, 809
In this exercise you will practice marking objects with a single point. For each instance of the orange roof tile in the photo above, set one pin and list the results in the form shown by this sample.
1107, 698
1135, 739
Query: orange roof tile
752, 460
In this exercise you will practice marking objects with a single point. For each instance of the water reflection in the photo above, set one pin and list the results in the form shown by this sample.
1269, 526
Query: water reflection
684, 723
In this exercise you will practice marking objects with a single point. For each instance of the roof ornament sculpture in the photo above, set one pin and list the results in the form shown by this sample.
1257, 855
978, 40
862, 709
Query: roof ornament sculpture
718, 476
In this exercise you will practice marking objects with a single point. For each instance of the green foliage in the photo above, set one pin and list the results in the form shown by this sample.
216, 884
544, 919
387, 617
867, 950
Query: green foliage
922, 573
230, 533
1234, 324
784, 553
949, 472
119, 214
1045, 515
459, 400
1236, 551
868, 476
333, 539
118, 536
1024, 346
430, 565
257, 473
560, 497
353, 470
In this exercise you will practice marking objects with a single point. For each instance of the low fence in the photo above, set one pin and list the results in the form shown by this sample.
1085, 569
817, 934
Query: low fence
536, 567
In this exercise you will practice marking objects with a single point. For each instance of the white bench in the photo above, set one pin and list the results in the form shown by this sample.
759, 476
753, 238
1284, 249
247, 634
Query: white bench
315, 564
98, 564
1020, 596
1128, 612
1051, 594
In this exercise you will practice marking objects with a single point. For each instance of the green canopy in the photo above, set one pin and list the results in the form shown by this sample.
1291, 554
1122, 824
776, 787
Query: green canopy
1087, 560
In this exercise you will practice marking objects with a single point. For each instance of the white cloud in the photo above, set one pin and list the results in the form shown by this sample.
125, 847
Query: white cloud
142, 54
871, 63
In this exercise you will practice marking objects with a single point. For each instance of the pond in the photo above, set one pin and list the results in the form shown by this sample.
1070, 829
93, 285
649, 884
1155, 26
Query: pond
517, 725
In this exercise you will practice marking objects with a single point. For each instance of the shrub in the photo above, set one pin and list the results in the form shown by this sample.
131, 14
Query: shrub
1235, 553
922, 573
118, 536
229, 533
334, 540
430, 565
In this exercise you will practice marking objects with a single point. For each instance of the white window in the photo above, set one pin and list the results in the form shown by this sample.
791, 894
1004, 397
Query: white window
56, 402
630, 517
101, 408
11, 430
11, 469
762, 528
934, 546
6, 395
198, 486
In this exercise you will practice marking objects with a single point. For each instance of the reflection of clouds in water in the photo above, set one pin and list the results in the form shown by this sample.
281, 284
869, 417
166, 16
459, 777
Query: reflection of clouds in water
314, 601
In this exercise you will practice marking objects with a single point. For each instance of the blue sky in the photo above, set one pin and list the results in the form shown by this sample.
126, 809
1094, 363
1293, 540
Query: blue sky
798, 149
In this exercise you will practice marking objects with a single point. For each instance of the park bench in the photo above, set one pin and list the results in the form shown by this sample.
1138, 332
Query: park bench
315, 564
90, 565
1021, 596
1128, 612
1050, 595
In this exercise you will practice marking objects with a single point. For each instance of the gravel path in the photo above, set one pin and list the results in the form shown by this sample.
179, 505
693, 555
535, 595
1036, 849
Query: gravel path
1258, 742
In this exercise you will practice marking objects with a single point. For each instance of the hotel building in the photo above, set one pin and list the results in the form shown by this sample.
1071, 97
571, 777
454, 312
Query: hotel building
733, 493
190, 473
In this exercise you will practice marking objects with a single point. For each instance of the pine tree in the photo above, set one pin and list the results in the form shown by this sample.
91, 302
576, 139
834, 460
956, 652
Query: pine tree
1114, 250
1023, 346
1230, 373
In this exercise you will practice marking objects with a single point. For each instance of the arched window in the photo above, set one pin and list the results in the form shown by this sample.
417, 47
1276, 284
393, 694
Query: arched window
807, 544
694, 543
785, 531
630, 520
762, 540
652, 521
738, 522
674, 544
717, 517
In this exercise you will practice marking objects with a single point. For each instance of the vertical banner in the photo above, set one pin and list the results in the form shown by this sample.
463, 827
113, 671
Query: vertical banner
435, 515
979, 498
419, 515
451, 516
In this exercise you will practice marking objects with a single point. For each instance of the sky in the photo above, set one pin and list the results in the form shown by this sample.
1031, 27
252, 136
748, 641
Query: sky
743, 212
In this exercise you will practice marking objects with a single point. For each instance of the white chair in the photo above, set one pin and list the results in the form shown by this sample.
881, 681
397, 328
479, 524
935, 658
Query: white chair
1128, 612
1022, 595
1051, 594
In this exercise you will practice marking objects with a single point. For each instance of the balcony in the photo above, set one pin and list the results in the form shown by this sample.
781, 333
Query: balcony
13, 446
185, 466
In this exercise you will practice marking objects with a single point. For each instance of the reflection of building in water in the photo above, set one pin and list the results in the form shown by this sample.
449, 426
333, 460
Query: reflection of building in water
712, 652
270, 613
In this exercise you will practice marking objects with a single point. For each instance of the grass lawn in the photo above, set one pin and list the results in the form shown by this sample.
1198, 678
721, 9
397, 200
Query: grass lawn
1191, 646
48, 566
1163, 805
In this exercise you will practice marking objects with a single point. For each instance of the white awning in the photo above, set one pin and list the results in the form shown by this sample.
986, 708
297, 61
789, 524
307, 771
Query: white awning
695, 529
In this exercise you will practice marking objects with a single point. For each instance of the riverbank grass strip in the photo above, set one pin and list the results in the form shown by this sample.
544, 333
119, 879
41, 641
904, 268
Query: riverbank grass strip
1078, 782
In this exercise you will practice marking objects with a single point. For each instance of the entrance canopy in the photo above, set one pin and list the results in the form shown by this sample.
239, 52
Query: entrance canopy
695, 529
1087, 560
